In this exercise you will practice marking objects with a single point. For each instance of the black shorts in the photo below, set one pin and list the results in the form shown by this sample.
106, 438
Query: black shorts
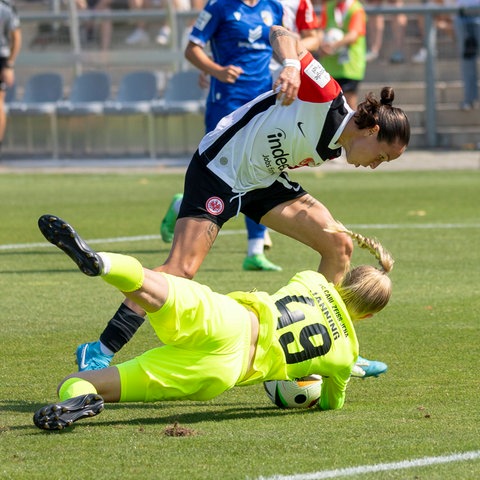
348, 85
207, 196
3, 63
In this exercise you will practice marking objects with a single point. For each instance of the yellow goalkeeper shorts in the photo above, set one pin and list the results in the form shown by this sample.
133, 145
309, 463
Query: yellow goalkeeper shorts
206, 339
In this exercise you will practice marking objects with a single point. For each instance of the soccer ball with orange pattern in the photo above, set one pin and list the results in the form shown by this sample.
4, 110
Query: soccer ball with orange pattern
300, 393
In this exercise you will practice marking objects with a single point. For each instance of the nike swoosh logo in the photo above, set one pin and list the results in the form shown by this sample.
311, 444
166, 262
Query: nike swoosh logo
83, 365
299, 125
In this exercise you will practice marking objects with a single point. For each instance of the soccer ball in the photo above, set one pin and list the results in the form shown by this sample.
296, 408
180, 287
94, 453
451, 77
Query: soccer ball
301, 393
333, 35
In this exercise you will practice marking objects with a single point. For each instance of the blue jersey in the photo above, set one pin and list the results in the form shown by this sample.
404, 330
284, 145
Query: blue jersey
238, 35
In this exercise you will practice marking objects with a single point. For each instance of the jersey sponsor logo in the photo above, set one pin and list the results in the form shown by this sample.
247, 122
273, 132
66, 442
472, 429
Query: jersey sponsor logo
253, 46
275, 143
317, 73
336, 311
299, 125
267, 17
254, 34
215, 205
203, 20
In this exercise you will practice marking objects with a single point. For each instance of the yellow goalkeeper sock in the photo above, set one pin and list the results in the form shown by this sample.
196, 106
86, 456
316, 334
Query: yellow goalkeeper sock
74, 387
122, 271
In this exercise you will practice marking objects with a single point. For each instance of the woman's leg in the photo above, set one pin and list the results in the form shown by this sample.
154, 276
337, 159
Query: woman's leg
82, 395
192, 241
305, 219
105, 382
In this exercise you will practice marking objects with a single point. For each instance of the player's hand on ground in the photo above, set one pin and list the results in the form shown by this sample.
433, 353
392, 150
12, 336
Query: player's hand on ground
288, 83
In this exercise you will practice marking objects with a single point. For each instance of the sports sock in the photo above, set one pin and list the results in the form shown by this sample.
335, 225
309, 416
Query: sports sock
122, 271
74, 387
121, 328
105, 350
255, 246
256, 237
177, 204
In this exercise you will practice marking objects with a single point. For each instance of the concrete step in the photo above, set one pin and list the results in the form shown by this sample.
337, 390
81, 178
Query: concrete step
415, 92
454, 127
463, 138
383, 71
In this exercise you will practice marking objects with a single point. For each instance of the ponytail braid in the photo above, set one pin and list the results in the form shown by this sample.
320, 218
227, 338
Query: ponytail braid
372, 245
365, 289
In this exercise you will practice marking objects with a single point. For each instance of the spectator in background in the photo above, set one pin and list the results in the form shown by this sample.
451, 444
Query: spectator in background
467, 26
343, 48
442, 22
105, 25
299, 17
375, 30
10, 45
140, 35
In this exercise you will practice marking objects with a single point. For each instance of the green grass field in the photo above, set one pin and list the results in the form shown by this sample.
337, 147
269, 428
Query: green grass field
427, 405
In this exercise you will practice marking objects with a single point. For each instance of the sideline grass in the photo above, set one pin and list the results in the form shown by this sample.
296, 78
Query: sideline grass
426, 405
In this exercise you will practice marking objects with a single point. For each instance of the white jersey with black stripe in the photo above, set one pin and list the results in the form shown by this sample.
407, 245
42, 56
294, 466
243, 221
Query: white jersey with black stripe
253, 145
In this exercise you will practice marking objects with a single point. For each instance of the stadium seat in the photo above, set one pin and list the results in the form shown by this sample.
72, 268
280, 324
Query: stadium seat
90, 91
41, 94
183, 96
136, 93
10, 96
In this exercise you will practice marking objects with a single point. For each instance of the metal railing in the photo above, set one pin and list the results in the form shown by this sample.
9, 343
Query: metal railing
77, 57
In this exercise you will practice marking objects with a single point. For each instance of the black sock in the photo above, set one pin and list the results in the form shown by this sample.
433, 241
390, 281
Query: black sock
121, 328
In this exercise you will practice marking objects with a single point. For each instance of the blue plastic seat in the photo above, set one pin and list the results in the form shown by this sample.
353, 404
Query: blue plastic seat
90, 91
41, 94
183, 96
136, 93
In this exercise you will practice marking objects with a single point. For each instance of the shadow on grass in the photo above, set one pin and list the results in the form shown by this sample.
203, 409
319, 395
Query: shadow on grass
205, 413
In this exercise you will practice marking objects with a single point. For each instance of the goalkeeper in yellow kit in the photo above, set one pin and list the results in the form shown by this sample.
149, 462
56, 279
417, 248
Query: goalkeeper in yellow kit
213, 342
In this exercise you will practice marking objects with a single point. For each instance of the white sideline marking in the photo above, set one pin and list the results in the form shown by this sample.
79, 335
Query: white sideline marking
380, 467
374, 226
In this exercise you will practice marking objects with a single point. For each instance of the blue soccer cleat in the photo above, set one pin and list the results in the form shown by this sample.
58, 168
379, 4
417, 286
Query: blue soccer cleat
57, 416
91, 357
364, 368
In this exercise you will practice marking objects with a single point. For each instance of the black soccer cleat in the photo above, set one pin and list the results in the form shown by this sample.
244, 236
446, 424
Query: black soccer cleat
57, 416
64, 236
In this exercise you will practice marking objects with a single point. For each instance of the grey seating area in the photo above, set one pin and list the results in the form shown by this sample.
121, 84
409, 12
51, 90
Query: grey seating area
135, 97
42, 93
10, 95
430, 92
87, 98
94, 116
183, 97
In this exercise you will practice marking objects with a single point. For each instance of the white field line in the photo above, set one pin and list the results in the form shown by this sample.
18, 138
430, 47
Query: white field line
379, 467
374, 226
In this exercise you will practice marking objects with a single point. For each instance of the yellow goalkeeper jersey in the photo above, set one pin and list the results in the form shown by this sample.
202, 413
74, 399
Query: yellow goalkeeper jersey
304, 329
